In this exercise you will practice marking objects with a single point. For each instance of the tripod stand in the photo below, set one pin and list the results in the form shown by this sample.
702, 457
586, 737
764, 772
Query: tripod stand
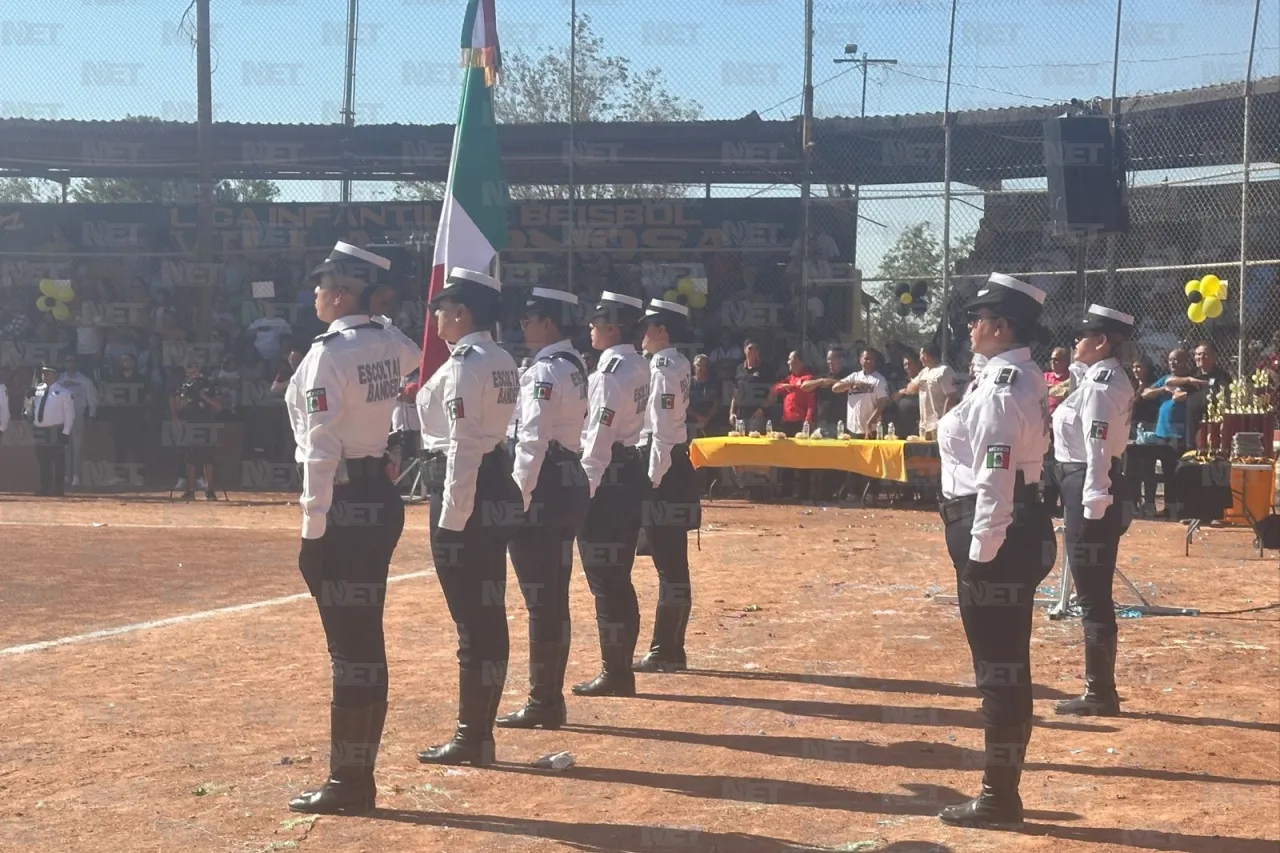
1064, 607
418, 470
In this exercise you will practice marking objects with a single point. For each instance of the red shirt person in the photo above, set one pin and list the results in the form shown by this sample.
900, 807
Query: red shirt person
798, 405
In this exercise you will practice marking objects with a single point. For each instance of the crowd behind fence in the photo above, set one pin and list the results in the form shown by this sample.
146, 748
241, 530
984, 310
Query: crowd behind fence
661, 62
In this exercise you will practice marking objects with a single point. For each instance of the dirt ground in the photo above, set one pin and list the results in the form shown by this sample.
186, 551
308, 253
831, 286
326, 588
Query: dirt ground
831, 706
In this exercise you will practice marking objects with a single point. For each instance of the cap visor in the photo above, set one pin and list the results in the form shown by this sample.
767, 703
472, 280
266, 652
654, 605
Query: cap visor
324, 267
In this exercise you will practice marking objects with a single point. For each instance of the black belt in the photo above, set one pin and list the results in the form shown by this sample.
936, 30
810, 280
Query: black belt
365, 467
1025, 495
1065, 468
622, 453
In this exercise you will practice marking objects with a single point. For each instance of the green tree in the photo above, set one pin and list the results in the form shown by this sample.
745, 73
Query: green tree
535, 90
28, 191
916, 254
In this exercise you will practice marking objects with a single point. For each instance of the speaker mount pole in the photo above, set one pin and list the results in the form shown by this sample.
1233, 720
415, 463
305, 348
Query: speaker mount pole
1082, 267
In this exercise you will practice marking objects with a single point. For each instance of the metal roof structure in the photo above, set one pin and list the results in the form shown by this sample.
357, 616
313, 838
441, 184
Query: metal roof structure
1195, 127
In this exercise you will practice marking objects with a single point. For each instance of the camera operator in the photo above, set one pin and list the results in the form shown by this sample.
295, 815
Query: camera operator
197, 402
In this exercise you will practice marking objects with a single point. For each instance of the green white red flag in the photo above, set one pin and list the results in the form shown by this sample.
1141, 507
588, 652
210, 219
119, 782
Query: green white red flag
473, 220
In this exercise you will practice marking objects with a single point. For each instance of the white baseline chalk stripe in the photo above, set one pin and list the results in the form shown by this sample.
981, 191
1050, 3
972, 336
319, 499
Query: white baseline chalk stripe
175, 620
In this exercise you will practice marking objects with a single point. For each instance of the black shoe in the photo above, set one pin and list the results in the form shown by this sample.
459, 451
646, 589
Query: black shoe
535, 715
188, 495
545, 707
666, 652
999, 805
350, 788
608, 683
472, 742
1100, 698
210, 495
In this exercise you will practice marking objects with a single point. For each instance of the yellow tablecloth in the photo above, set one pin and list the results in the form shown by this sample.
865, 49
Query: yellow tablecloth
904, 461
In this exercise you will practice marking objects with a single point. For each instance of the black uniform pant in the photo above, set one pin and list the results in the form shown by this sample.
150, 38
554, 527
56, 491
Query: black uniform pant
542, 557
51, 457
350, 584
471, 565
607, 547
1092, 546
667, 515
996, 603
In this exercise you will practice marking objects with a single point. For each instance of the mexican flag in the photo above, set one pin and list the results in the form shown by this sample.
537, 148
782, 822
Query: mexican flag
473, 221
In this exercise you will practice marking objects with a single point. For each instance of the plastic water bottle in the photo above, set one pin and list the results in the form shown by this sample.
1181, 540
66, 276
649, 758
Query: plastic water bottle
840, 430
893, 432
768, 427
742, 427
805, 430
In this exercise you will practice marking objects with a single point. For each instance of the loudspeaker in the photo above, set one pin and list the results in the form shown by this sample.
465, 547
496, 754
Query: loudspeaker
1086, 171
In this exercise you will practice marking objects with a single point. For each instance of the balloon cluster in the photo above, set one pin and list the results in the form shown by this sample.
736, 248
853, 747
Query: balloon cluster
54, 296
913, 297
693, 296
1206, 295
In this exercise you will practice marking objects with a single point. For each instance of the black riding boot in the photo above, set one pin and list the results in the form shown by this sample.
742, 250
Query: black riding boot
353, 749
1100, 698
479, 692
545, 707
666, 652
616, 677
998, 806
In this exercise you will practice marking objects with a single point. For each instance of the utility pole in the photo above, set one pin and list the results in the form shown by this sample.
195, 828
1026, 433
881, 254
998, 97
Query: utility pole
806, 184
204, 146
850, 50
349, 85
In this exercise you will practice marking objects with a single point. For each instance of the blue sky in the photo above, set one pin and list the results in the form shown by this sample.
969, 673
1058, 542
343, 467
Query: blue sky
282, 60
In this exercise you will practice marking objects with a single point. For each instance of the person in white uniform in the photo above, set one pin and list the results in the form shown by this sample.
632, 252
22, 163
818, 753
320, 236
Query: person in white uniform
673, 508
617, 468
1090, 433
999, 534
52, 411
556, 495
464, 408
340, 401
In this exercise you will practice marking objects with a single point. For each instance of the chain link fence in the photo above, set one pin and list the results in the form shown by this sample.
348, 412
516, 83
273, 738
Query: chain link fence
887, 76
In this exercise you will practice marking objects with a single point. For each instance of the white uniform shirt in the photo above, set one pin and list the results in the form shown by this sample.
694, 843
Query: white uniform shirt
553, 406
862, 402
340, 400
4, 407
464, 409
936, 385
617, 399
1092, 426
1000, 428
59, 409
664, 422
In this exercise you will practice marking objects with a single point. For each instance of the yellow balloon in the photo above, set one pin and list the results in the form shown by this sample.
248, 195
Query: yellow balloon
49, 287
671, 295
698, 300
1209, 285
61, 311
1192, 286
905, 299
1212, 307
685, 286
1195, 312
45, 303
62, 291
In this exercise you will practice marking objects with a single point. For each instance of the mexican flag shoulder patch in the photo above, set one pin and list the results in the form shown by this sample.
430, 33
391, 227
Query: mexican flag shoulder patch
317, 401
1098, 430
542, 390
605, 417
455, 409
669, 401
998, 456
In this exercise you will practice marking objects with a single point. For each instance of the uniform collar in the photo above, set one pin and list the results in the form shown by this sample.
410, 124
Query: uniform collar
1108, 363
473, 338
348, 322
1010, 358
558, 346
618, 350
672, 351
